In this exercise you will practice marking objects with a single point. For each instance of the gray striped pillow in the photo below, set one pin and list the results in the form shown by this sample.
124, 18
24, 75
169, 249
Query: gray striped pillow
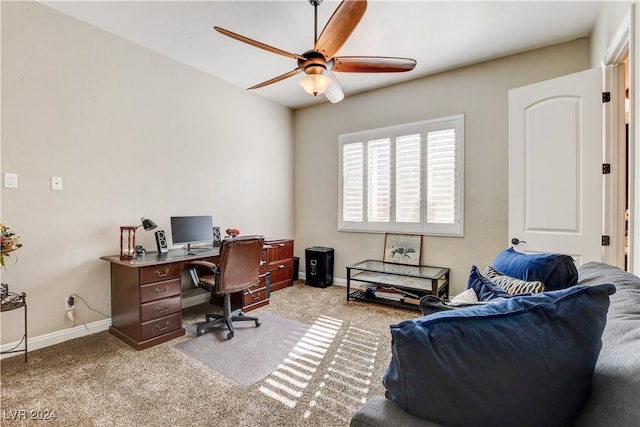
512, 285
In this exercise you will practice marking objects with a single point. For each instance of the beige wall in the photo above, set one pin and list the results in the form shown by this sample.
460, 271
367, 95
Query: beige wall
132, 133
480, 93
83, 104
605, 29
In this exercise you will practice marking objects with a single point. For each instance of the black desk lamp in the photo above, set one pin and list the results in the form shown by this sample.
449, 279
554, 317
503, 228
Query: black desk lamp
147, 224
129, 250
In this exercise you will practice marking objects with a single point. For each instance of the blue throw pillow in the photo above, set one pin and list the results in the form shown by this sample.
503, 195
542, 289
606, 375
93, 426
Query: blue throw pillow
485, 289
554, 270
521, 361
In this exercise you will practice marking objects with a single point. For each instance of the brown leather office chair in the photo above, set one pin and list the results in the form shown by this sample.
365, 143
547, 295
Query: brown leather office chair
237, 269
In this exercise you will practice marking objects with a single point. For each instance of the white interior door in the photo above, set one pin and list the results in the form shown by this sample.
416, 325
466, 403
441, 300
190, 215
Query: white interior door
555, 166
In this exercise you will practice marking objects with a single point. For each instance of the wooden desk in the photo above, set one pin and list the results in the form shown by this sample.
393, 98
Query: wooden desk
146, 296
146, 292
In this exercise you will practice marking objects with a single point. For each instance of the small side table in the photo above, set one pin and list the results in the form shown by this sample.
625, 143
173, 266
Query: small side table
12, 301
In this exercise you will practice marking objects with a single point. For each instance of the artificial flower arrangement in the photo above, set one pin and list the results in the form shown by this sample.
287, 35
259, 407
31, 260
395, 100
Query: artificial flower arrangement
232, 232
9, 243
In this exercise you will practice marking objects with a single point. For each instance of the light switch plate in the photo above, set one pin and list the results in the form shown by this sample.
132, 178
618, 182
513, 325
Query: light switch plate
56, 183
10, 180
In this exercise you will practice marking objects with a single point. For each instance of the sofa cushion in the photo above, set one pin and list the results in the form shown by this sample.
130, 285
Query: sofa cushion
468, 296
512, 285
521, 361
616, 383
484, 288
554, 270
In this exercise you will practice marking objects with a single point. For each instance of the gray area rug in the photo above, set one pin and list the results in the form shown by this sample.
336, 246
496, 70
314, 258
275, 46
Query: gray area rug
252, 354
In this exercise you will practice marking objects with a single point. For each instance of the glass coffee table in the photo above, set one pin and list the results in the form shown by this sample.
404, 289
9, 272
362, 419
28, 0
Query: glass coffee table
395, 284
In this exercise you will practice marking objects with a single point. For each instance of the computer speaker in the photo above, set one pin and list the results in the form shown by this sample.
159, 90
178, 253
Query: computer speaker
217, 237
161, 242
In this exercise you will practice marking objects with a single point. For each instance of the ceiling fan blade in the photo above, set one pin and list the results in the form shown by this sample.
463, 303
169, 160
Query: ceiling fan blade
258, 44
372, 64
276, 79
334, 92
340, 26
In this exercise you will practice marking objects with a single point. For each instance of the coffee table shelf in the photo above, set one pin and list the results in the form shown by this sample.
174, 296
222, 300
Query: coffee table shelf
395, 284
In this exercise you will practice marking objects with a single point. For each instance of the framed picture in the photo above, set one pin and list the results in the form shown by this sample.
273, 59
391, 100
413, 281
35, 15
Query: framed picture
402, 248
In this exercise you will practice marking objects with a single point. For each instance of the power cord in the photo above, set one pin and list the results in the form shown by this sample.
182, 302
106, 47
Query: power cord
90, 308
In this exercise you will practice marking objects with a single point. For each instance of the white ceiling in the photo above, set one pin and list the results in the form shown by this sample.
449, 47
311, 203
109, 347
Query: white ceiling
440, 35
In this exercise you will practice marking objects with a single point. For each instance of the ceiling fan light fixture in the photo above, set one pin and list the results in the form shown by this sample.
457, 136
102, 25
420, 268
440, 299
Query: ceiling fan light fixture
315, 84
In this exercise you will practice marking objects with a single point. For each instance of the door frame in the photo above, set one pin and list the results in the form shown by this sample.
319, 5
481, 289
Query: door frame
622, 48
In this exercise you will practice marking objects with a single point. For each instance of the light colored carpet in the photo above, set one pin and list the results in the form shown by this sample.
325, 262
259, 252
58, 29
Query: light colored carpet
243, 358
101, 381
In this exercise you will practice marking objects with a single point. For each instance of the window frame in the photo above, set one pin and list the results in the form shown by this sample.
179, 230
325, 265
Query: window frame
455, 229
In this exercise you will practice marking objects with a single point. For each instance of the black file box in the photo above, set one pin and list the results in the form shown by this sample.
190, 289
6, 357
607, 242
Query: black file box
319, 266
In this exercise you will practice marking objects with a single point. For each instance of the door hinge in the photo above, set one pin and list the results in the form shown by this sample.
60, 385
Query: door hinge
606, 96
606, 168
606, 240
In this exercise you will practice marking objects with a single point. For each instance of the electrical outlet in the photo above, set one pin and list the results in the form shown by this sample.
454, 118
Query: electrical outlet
56, 183
69, 303
10, 180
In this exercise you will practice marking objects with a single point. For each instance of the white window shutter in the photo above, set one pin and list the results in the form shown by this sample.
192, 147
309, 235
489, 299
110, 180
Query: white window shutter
408, 178
441, 176
352, 182
379, 180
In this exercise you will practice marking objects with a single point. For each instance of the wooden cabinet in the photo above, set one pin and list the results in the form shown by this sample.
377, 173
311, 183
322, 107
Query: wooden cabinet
146, 304
280, 263
146, 296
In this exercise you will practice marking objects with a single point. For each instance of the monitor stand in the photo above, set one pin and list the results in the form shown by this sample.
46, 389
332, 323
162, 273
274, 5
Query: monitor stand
194, 251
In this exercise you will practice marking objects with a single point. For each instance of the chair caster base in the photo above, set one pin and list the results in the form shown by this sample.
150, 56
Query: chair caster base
230, 335
258, 323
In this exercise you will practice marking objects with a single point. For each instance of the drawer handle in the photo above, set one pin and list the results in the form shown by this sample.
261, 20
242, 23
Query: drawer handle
262, 262
166, 289
163, 328
162, 310
282, 244
165, 274
281, 266
256, 296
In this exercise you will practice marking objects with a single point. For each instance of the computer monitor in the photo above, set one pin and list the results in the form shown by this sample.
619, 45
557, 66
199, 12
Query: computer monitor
187, 230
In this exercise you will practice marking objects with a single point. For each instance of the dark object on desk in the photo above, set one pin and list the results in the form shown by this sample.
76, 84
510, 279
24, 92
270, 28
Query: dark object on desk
217, 237
128, 247
238, 269
319, 266
161, 242
12, 301
140, 250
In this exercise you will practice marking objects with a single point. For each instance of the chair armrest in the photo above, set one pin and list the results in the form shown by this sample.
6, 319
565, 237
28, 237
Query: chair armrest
195, 278
211, 265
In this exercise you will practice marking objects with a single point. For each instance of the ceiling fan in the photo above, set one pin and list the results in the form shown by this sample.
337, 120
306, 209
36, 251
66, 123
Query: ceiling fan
319, 63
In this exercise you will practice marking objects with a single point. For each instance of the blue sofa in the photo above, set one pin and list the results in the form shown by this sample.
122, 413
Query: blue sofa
613, 401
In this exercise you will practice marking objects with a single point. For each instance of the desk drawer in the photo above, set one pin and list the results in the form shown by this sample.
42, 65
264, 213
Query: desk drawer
159, 290
160, 272
254, 296
161, 326
280, 250
281, 271
160, 308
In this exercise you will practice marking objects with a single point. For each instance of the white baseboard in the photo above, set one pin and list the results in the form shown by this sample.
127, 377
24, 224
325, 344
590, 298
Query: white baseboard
58, 337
